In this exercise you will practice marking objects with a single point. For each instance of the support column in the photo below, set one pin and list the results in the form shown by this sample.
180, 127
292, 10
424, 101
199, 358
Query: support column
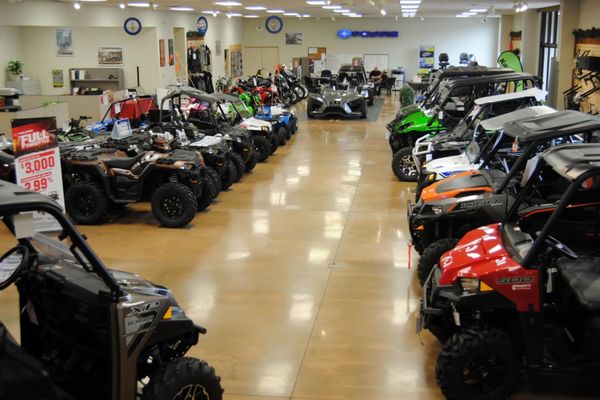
530, 46
568, 21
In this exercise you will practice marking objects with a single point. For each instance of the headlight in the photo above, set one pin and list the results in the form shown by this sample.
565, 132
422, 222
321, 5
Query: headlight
437, 209
470, 285
431, 177
264, 128
238, 139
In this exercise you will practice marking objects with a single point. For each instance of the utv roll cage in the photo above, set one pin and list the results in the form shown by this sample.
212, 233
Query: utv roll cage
15, 200
574, 162
178, 92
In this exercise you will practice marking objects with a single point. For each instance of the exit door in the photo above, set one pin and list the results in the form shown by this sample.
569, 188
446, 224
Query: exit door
263, 58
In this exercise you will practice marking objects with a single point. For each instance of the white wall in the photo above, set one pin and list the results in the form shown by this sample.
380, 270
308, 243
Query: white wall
10, 49
40, 58
449, 35
90, 17
589, 14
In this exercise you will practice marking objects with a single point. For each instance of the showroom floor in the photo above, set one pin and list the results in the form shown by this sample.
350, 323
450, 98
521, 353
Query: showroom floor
299, 273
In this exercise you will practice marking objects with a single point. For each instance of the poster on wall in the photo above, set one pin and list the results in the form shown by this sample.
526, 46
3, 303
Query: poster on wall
161, 51
171, 52
64, 42
110, 55
37, 162
426, 59
294, 38
58, 79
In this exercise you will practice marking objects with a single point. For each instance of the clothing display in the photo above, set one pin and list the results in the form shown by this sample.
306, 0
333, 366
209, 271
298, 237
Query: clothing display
199, 63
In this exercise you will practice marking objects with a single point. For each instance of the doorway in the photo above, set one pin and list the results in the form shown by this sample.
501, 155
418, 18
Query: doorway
263, 58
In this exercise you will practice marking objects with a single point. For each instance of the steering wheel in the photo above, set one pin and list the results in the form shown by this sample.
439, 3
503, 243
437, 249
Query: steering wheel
561, 248
11, 264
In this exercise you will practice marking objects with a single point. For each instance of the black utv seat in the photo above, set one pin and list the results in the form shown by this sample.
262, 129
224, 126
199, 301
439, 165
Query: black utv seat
583, 276
123, 162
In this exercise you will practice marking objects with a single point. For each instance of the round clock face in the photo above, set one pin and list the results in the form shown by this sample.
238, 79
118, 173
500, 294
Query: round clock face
132, 26
274, 24
202, 25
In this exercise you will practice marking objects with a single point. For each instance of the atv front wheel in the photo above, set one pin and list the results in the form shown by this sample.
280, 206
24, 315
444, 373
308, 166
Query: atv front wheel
240, 166
184, 379
229, 177
86, 203
214, 176
274, 143
404, 166
262, 148
174, 205
209, 194
431, 256
478, 364
251, 163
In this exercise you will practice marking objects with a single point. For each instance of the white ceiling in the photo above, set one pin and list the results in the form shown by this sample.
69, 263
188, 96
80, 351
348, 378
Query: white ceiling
427, 8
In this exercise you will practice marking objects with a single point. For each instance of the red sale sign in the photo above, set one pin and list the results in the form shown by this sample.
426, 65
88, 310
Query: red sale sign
37, 158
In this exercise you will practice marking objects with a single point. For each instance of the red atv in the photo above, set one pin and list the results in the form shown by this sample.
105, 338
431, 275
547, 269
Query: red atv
507, 298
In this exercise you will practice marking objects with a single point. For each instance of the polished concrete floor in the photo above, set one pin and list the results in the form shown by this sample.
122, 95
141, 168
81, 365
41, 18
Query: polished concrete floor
299, 272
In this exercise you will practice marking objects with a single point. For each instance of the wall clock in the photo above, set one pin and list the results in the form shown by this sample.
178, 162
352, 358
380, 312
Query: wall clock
274, 24
202, 25
132, 26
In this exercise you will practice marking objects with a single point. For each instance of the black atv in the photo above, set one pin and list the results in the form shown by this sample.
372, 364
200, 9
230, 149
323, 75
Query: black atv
88, 333
100, 179
451, 207
508, 299
211, 122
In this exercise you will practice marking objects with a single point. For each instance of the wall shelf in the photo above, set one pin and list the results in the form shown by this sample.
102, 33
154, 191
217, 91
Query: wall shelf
99, 78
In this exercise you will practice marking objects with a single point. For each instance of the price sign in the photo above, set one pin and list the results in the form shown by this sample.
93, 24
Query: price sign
37, 161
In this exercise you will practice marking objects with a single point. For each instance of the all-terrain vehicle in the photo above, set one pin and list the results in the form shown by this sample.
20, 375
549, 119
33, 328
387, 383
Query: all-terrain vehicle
284, 122
447, 107
104, 178
88, 333
432, 147
508, 297
453, 206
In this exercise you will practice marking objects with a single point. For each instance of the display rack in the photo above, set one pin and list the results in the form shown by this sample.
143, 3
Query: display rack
88, 79
586, 76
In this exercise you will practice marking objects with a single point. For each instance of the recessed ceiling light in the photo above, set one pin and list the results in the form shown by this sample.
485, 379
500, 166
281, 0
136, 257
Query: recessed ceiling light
383, 12
250, 16
275, 11
316, 3
139, 4
342, 10
180, 8
121, 5
332, 7
291, 14
76, 5
228, 3
256, 8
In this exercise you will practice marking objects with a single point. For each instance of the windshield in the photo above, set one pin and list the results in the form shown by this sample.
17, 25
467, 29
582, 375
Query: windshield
463, 126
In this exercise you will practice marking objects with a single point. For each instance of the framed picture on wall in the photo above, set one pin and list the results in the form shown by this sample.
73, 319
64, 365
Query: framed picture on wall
110, 55
64, 42
294, 38
171, 52
161, 51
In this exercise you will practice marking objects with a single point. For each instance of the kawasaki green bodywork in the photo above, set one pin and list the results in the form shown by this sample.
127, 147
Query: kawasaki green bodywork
406, 129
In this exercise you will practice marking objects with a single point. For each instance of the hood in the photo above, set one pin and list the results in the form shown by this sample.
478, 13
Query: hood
407, 110
459, 184
255, 124
447, 166
134, 283
341, 95
481, 254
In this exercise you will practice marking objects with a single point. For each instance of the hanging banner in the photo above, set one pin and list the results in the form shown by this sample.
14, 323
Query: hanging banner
426, 59
37, 162
161, 51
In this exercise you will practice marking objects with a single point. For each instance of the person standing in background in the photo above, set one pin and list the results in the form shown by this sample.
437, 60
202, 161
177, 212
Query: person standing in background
375, 77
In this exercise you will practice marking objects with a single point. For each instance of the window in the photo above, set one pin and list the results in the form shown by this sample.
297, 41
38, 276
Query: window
548, 44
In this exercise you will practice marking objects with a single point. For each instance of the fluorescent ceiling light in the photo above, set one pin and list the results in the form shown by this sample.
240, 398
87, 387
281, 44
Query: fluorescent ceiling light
409, 7
291, 14
234, 15
213, 12
305, 15
343, 10
228, 3
139, 4
469, 13
408, 15
403, 2
255, 8
179, 8
478, 10
92, 1
462, 16
275, 11
354, 15
316, 3
332, 7
250, 16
